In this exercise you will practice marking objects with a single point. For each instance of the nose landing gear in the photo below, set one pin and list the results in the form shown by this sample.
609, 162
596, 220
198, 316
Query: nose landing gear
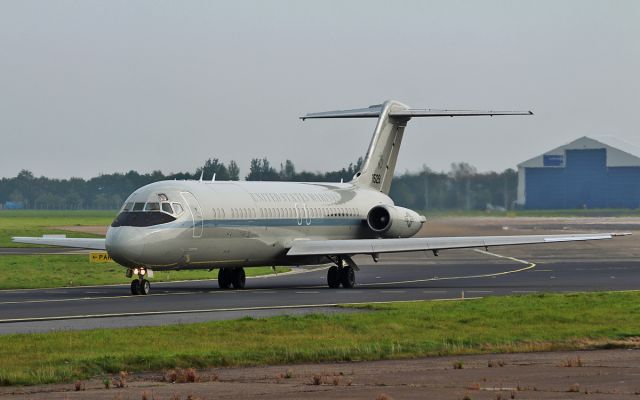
140, 286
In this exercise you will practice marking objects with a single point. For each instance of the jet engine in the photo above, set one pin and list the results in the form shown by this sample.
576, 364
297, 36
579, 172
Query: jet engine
394, 222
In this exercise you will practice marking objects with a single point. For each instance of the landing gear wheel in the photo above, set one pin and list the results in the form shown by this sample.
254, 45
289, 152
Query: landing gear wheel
238, 278
333, 277
347, 277
144, 287
135, 287
224, 278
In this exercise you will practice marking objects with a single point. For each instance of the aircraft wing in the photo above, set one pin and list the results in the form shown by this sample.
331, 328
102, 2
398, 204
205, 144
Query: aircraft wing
303, 247
78, 243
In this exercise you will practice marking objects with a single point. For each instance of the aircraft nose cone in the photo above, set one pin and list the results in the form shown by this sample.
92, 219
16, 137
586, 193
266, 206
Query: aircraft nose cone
125, 245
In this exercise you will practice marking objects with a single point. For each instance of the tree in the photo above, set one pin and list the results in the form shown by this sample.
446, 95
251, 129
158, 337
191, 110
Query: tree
211, 167
234, 171
261, 170
287, 171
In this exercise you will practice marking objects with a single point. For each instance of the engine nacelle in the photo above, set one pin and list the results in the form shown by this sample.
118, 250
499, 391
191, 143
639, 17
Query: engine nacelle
394, 222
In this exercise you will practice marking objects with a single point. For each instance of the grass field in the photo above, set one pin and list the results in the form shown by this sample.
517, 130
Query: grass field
602, 212
39, 271
402, 330
38, 222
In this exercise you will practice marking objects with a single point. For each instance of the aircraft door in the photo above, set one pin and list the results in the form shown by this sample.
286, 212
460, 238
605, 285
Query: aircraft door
196, 213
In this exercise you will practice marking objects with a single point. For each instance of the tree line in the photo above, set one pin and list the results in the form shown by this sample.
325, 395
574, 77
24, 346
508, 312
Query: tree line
463, 187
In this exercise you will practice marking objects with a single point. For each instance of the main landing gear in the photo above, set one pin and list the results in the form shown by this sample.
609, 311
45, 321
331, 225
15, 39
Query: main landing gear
228, 277
341, 274
140, 286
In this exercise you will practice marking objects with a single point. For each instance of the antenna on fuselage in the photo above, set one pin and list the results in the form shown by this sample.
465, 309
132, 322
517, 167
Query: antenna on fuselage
214, 178
201, 175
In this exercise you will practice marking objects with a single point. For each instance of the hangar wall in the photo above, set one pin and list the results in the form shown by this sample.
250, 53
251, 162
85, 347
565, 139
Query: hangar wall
585, 173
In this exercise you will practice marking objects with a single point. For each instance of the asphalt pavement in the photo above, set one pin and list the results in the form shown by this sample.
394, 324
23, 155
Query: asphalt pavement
404, 277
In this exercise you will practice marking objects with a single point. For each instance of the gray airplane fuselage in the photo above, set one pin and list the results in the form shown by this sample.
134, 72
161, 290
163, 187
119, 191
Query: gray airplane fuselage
205, 225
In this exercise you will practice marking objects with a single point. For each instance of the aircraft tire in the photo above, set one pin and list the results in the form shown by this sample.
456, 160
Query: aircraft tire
238, 278
348, 277
333, 277
224, 278
135, 287
144, 287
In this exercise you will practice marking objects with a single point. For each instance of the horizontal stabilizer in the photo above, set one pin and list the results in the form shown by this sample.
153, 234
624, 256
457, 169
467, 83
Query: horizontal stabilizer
77, 243
375, 246
453, 113
375, 111
370, 112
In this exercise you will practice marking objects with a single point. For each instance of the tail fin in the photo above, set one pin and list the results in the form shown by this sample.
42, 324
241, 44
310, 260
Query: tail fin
380, 161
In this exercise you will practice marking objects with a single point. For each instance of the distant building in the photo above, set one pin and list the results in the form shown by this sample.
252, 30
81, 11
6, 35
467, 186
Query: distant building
13, 205
585, 173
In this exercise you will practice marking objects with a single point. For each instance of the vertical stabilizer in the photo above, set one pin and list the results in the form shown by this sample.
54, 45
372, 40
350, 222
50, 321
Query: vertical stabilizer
380, 162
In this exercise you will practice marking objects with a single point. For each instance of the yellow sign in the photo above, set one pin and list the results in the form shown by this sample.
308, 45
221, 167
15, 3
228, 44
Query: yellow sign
100, 257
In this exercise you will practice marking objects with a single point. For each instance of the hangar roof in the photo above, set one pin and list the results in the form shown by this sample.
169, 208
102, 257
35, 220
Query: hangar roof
615, 157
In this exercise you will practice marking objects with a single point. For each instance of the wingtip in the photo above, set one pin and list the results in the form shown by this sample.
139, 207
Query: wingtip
531, 112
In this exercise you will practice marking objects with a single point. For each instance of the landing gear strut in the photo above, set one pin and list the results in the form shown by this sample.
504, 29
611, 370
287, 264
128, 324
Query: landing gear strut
141, 285
228, 277
341, 274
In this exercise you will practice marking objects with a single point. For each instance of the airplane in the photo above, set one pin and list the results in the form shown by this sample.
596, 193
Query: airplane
230, 225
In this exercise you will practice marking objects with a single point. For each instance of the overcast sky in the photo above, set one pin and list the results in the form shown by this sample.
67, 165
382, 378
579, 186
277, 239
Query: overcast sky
89, 87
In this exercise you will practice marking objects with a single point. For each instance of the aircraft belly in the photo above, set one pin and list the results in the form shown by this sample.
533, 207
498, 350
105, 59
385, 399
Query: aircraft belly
221, 245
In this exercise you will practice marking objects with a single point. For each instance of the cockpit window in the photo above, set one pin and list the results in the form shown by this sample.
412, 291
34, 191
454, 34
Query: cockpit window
166, 207
178, 208
146, 214
141, 218
152, 207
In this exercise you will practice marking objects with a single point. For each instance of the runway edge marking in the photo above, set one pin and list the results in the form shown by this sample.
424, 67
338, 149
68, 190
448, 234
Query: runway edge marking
210, 310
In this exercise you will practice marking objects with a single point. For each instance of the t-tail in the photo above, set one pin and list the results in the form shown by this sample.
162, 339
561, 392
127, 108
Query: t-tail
380, 162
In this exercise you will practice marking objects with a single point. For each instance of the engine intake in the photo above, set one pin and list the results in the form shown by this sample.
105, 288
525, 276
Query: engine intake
394, 222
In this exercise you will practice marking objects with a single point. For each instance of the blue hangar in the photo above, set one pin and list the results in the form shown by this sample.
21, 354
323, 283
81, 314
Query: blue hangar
585, 173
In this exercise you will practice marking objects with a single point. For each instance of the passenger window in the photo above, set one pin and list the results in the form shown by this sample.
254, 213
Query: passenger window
166, 207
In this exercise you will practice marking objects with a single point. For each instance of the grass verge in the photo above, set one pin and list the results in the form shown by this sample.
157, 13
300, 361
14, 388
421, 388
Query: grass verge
40, 271
401, 330
595, 212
